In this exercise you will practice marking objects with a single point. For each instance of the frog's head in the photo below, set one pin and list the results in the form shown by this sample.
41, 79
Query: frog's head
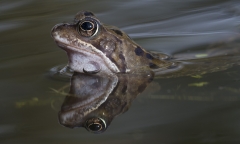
82, 42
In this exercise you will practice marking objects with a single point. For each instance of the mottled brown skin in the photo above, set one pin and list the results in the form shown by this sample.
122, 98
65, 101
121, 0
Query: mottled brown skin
106, 49
112, 42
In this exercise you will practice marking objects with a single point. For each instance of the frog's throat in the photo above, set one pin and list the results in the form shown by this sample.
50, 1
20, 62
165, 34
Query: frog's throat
86, 49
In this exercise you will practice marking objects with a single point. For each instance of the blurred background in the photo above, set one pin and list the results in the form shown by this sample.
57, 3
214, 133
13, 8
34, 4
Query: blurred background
183, 110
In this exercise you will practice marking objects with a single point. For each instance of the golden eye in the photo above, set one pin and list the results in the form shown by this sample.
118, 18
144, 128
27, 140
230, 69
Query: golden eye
88, 28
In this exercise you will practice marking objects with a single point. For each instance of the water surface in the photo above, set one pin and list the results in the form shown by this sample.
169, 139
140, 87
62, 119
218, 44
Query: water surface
171, 111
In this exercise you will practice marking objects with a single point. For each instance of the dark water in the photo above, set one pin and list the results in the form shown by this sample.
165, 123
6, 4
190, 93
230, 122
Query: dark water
182, 110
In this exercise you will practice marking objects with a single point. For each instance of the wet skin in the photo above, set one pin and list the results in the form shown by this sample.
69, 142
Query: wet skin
93, 47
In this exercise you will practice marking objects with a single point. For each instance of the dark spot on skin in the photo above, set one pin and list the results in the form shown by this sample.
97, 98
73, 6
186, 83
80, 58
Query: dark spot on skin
118, 32
149, 56
121, 57
153, 66
123, 65
139, 51
124, 90
141, 88
88, 13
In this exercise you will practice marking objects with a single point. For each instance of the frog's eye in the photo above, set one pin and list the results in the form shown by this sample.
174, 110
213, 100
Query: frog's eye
95, 125
88, 28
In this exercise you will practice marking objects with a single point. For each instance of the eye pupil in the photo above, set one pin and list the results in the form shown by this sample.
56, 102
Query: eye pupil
95, 127
87, 26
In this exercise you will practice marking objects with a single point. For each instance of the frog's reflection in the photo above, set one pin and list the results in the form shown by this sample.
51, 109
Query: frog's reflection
94, 100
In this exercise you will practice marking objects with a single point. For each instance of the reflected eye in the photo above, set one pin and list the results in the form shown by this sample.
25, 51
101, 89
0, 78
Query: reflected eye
88, 28
95, 125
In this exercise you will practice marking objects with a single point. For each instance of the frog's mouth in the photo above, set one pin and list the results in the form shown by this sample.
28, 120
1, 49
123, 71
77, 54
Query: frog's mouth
81, 54
66, 47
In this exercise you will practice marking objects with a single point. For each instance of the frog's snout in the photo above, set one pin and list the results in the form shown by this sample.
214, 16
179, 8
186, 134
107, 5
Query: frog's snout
57, 28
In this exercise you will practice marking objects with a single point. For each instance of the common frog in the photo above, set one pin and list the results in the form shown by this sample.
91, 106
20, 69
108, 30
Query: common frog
94, 47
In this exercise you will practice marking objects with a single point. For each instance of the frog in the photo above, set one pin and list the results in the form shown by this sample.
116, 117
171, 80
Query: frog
94, 47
